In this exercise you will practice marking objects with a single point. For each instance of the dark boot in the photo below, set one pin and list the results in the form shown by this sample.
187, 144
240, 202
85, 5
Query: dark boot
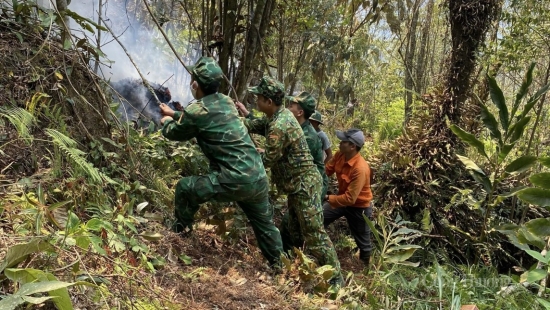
181, 229
365, 257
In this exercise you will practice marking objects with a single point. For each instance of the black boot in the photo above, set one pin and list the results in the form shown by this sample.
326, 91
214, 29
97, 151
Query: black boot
181, 229
365, 257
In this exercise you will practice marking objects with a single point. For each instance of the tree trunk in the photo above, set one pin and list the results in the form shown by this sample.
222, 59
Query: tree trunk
538, 113
280, 55
422, 56
258, 26
409, 61
211, 17
470, 20
229, 19
299, 63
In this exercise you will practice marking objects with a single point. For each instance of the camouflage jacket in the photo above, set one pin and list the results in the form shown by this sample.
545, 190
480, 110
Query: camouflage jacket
222, 137
315, 147
286, 150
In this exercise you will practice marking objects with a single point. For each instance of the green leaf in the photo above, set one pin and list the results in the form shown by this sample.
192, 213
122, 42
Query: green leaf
72, 222
526, 237
25, 275
61, 296
541, 180
506, 228
94, 224
476, 172
42, 287
19, 252
47, 20
545, 161
544, 303
470, 139
535, 196
536, 255
374, 231
85, 279
11, 302
513, 192
35, 300
58, 205
539, 227
498, 99
518, 128
325, 271
410, 264
131, 226
524, 87
533, 100
20, 37
97, 245
514, 239
81, 19
470, 165
504, 152
82, 242
521, 164
403, 247
188, 260
399, 256
405, 231
151, 236
67, 44
97, 224
427, 220
533, 276
491, 123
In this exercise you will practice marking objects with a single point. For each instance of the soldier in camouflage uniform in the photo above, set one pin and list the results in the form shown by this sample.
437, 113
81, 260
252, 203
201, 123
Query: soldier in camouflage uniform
303, 106
293, 171
236, 169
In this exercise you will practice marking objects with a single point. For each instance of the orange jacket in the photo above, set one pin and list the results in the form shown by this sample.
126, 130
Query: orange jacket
353, 181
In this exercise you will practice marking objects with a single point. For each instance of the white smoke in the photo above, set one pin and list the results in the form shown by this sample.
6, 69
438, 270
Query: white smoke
145, 45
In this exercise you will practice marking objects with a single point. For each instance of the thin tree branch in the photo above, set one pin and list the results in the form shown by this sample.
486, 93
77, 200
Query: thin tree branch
147, 85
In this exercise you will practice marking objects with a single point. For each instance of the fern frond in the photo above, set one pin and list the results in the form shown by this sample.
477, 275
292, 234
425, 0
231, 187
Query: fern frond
21, 119
69, 146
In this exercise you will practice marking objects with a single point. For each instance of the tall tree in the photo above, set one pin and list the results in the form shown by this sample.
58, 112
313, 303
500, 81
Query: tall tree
229, 22
256, 31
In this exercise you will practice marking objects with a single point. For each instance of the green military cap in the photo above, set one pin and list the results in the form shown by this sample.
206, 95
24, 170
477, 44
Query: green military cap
305, 100
270, 88
206, 71
317, 117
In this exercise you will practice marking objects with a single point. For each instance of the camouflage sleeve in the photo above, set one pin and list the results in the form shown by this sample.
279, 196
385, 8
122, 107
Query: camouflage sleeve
256, 125
274, 146
181, 128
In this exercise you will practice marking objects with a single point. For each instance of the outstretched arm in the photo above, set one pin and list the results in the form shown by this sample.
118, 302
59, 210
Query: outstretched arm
178, 126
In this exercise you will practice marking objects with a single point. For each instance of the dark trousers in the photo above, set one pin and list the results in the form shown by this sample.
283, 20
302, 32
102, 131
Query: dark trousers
357, 224
252, 198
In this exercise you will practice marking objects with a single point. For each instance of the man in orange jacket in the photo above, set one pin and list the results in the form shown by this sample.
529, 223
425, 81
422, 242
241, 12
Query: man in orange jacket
354, 192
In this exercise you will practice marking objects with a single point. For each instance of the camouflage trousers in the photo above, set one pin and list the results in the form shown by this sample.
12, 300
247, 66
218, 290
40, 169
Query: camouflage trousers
303, 226
252, 198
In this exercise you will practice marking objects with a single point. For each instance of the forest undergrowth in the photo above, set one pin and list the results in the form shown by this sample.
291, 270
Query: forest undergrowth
85, 203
